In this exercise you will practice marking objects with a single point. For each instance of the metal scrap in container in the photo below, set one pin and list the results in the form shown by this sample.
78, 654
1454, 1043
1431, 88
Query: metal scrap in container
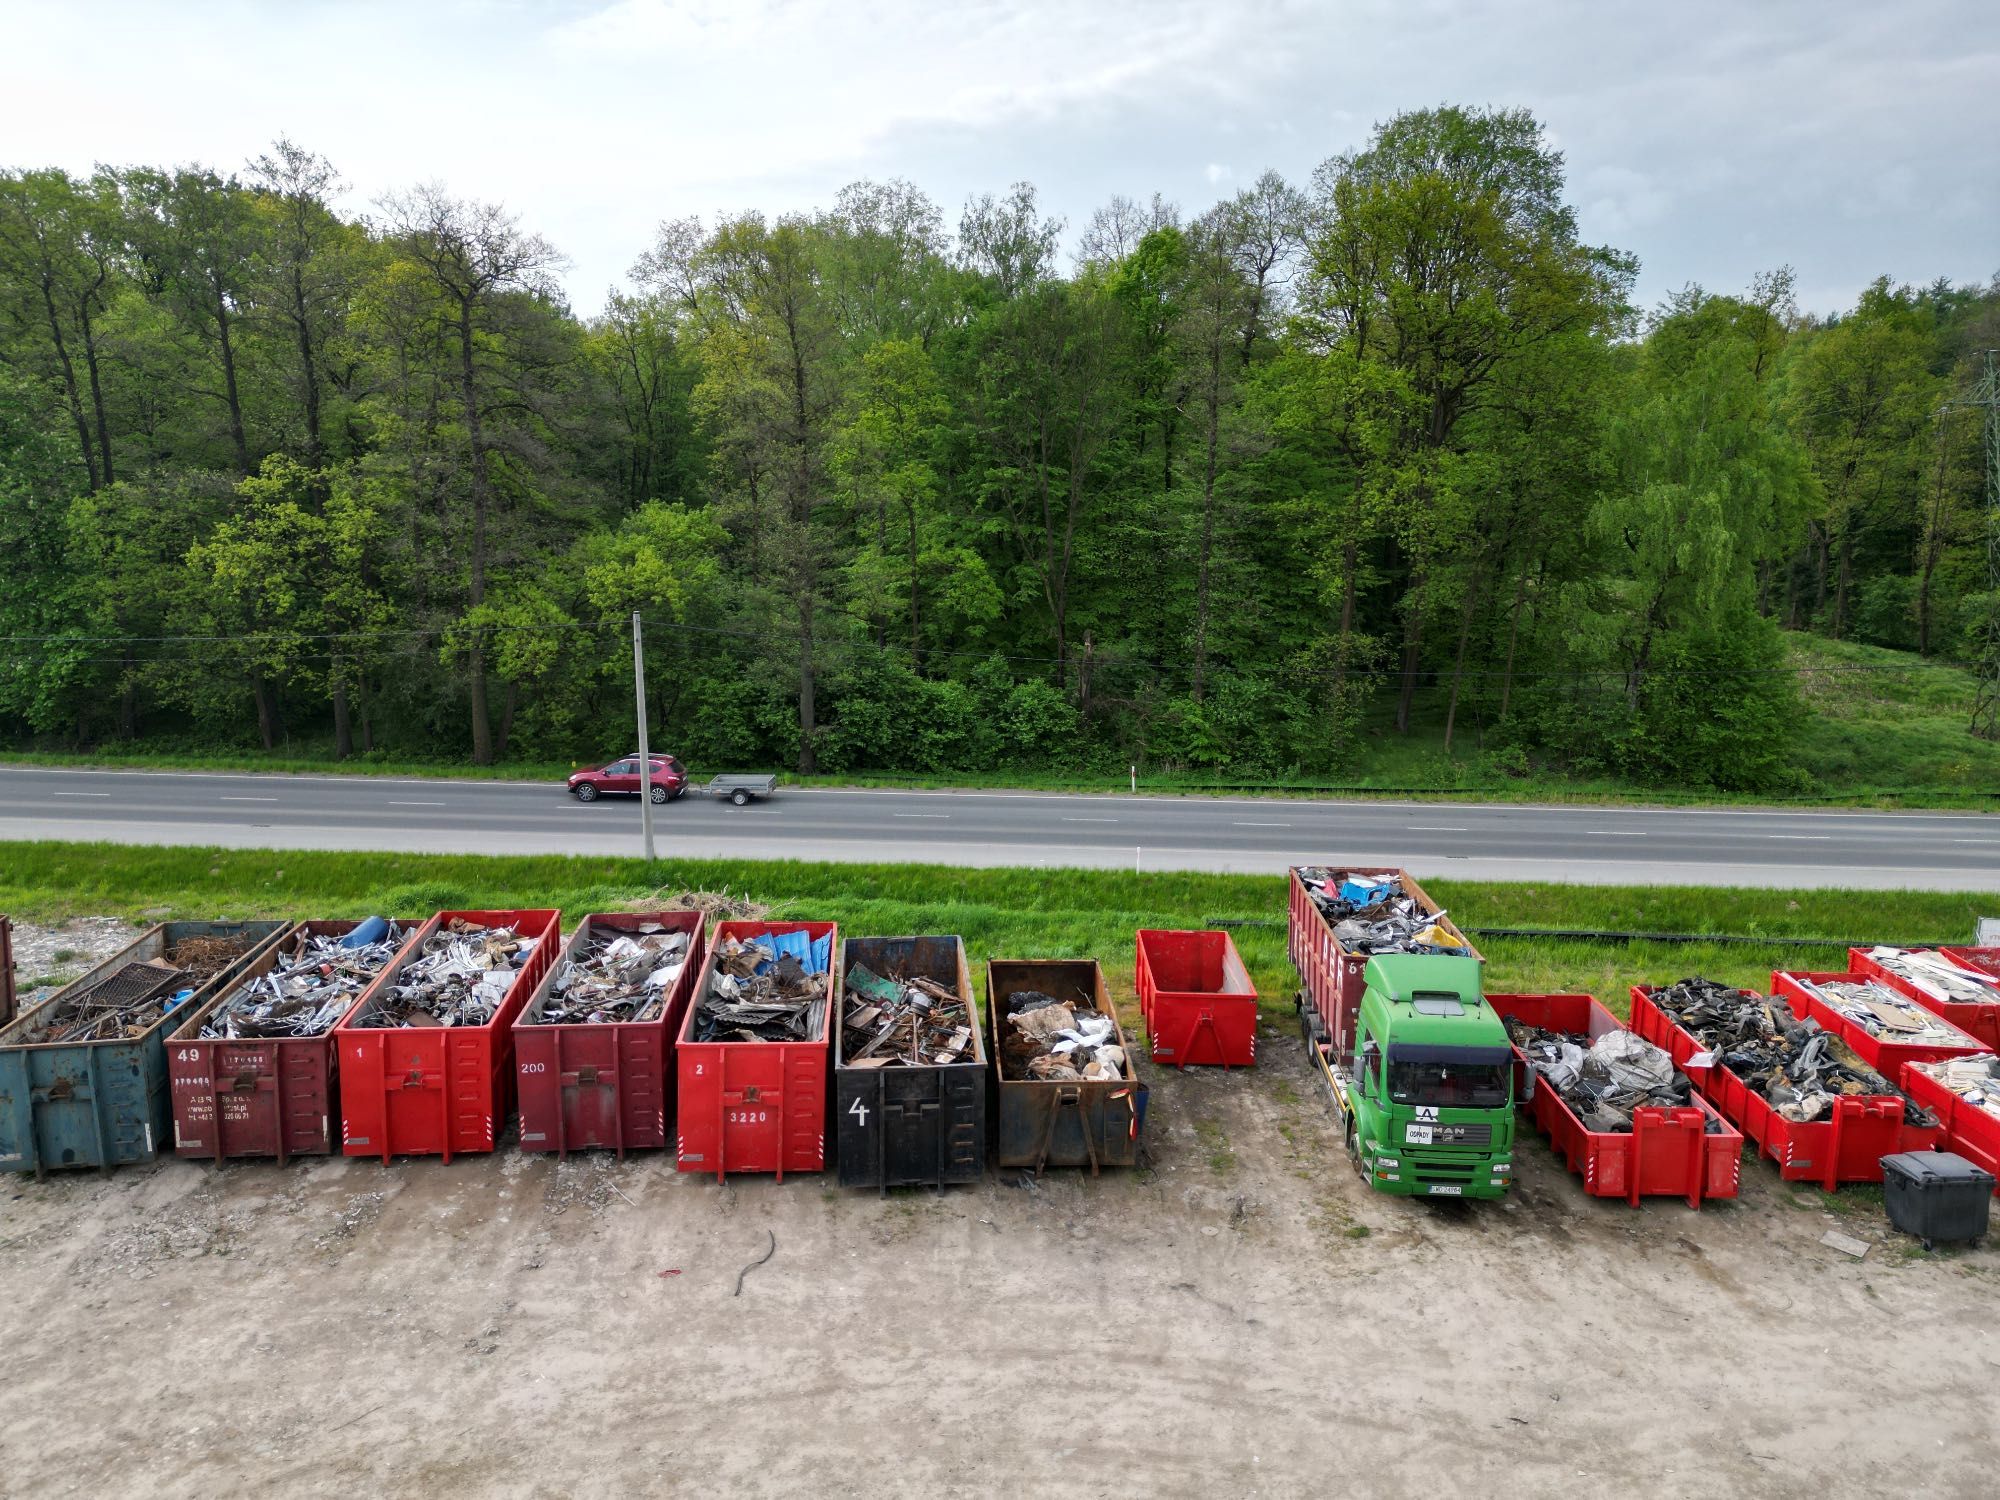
623, 976
204, 957
1879, 1010
1604, 1081
770, 989
457, 978
1799, 1067
1975, 1078
891, 1021
308, 990
1053, 1042
125, 1003
1939, 977
1373, 913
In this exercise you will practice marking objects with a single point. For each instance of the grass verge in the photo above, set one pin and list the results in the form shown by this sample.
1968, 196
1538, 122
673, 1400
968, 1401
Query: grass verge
1008, 913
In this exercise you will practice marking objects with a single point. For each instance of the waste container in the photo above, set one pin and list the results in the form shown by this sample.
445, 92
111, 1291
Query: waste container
1196, 997
73, 1100
604, 1083
1061, 1122
267, 1095
906, 1123
1936, 1195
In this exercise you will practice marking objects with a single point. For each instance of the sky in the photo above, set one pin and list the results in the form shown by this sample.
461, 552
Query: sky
1712, 138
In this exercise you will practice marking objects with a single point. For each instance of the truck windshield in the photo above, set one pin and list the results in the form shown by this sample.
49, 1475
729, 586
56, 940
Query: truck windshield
1448, 1085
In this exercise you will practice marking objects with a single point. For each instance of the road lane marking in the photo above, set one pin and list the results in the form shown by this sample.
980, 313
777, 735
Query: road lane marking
1435, 828
79, 794
1612, 833
920, 815
1819, 836
393, 802
227, 798
1249, 823
1976, 841
1090, 820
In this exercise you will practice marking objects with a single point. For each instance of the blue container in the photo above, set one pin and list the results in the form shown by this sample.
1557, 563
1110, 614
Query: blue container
104, 1104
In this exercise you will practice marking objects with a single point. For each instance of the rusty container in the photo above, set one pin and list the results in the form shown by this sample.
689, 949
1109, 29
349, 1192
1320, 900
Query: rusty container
1041, 1123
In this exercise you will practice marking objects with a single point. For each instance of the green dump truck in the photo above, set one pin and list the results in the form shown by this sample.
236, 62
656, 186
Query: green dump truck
1418, 1064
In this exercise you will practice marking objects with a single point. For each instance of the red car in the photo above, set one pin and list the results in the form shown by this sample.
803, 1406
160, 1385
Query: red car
668, 776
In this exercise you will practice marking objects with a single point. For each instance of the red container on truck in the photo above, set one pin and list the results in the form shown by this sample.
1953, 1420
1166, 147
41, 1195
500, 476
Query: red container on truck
437, 1090
1669, 1152
758, 1106
1848, 1146
1197, 999
1329, 971
260, 1096
585, 1084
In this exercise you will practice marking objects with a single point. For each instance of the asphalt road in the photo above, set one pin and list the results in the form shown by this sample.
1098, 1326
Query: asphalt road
1595, 844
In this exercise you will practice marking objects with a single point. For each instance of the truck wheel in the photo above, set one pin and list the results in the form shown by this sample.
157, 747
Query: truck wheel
740, 798
659, 794
586, 793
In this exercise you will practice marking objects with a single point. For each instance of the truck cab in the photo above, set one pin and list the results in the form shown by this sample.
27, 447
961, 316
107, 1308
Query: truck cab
1428, 1098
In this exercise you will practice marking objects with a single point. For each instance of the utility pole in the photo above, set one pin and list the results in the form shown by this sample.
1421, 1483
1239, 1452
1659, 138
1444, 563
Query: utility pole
1985, 398
645, 751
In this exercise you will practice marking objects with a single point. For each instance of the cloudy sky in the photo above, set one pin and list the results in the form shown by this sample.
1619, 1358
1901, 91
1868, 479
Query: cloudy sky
1714, 138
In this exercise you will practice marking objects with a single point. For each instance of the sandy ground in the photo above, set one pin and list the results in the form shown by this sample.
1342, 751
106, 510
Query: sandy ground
1242, 1319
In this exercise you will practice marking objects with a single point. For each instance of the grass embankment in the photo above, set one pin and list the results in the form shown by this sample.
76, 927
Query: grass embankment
1885, 728
1005, 913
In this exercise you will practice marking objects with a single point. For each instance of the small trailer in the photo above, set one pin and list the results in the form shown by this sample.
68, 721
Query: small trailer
739, 789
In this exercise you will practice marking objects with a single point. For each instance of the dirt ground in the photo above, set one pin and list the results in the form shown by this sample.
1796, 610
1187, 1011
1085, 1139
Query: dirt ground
1242, 1319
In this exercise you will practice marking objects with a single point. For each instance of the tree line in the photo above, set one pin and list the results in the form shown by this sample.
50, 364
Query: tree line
1388, 451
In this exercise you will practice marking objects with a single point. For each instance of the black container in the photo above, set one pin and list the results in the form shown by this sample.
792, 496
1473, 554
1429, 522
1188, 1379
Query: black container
910, 1126
1062, 1124
1936, 1195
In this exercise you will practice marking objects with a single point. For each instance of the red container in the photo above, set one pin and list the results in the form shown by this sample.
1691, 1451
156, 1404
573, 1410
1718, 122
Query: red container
1667, 1152
1975, 1019
268, 1097
755, 1106
1329, 975
1969, 1130
1885, 1056
1849, 1147
1197, 999
437, 1090
609, 1084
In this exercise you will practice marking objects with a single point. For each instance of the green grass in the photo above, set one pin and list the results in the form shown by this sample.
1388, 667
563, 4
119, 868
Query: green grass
1898, 728
1004, 913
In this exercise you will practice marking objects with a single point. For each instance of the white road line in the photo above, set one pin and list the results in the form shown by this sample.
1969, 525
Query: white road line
79, 794
393, 802
227, 798
1612, 833
1252, 824
920, 815
1976, 841
1823, 837
1090, 820
1435, 828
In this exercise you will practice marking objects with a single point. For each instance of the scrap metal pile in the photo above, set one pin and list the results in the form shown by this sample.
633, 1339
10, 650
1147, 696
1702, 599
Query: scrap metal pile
202, 958
902, 1021
1799, 1068
619, 976
1054, 1042
1373, 914
1604, 1081
1938, 977
126, 1003
307, 990
457, 978
1974, 1078
768, 990
1880, 1011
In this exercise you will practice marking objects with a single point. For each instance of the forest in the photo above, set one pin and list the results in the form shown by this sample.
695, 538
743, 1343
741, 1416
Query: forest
1384, 453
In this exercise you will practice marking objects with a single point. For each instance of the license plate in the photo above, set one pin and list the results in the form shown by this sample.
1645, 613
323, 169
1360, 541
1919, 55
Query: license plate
1446, 1190
1417, 1135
